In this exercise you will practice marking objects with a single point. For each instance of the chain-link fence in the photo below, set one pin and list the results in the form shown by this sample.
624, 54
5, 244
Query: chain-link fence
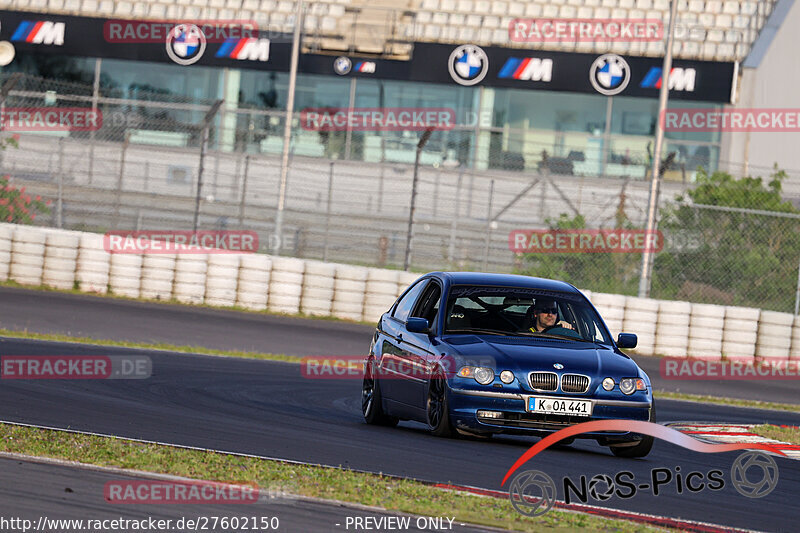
725, 240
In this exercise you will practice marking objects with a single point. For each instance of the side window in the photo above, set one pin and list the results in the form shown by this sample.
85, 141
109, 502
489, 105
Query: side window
428, 304
405, 305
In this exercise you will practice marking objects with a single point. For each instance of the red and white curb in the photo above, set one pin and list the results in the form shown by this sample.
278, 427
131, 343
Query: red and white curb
736, 434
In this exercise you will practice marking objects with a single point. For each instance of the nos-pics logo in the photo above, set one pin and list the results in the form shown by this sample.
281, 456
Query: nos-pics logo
468, 64
186, 44
533, 493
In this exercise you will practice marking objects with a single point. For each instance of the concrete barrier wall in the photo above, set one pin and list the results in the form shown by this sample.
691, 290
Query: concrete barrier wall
69, 259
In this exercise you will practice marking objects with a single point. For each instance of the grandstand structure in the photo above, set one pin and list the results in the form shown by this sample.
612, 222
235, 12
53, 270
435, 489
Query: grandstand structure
719, 30
533, 123
526, 149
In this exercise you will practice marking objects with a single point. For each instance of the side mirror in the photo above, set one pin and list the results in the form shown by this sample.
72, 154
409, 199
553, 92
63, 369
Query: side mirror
627, 340
418, 325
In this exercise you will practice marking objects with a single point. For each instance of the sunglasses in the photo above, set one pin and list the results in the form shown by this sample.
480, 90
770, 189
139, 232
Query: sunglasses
549, 310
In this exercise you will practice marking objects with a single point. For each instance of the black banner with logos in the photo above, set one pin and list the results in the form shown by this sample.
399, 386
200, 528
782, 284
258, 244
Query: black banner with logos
239, 44
222, 43
608, 74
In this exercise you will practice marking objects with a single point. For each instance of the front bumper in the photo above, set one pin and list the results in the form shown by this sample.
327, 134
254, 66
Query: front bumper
465, 404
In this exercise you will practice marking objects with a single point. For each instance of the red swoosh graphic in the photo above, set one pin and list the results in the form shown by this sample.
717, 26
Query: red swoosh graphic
635, 426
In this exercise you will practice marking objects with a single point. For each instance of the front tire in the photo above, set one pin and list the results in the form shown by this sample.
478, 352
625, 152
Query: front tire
371, 401
644, 446
438, 407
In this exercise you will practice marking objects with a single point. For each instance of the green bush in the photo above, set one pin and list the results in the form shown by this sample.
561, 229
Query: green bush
722, 256
18, 207
738, 258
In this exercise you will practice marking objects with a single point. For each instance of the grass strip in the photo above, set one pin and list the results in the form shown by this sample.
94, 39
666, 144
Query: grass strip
312, 481
790, 434
57, 337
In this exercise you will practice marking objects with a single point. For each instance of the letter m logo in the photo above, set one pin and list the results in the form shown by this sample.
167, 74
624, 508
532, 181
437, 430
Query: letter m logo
255, 50
682, 79
538, 70
50, 33
529, 68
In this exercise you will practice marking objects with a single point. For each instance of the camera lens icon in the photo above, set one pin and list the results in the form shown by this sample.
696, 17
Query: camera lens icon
601, 487
765, 481
532, 493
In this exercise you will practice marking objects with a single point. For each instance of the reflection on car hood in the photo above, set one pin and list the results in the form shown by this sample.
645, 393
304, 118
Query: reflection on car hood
529, 354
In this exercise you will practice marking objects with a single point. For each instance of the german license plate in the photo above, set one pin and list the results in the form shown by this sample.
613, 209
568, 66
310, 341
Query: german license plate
559, 406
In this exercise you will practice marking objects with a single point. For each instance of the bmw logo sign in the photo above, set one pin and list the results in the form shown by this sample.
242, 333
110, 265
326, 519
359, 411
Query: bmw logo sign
186, 44
468, 64
610, 74
342, 65
558, 366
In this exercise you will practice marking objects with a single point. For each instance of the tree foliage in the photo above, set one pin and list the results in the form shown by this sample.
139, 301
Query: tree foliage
16, 206
602, 272
725, 243
747, 257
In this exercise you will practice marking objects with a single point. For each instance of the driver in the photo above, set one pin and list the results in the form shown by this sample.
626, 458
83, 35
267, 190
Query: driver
545, 313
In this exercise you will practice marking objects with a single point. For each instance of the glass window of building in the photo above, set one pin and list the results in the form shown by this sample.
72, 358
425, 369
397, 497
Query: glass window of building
137, 80
633, 127
563, 131
449, 148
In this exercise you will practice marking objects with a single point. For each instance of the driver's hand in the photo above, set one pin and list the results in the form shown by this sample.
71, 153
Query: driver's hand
565, 324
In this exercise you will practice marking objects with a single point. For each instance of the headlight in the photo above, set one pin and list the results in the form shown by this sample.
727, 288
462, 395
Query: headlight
631, 385
484, 375
467, 372
608, 384
506, 376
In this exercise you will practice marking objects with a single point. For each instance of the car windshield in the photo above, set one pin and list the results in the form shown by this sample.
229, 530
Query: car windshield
522, 311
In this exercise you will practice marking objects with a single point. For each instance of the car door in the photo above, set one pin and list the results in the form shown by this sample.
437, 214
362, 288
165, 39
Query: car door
394, 356
418, 354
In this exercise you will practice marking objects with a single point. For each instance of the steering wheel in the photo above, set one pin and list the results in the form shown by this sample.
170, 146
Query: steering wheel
565, 332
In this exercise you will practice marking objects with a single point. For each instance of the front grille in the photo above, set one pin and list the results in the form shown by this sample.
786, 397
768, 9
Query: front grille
574, 383
544, 381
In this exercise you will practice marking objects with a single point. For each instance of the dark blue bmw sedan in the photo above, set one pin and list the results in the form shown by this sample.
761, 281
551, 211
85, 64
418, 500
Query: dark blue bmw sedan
475, 353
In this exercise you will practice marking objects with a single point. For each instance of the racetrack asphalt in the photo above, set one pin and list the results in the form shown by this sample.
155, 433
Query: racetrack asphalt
32, 490
128, 320
268, 408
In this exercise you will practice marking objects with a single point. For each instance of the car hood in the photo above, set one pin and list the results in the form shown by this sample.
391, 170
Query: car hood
540, 354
